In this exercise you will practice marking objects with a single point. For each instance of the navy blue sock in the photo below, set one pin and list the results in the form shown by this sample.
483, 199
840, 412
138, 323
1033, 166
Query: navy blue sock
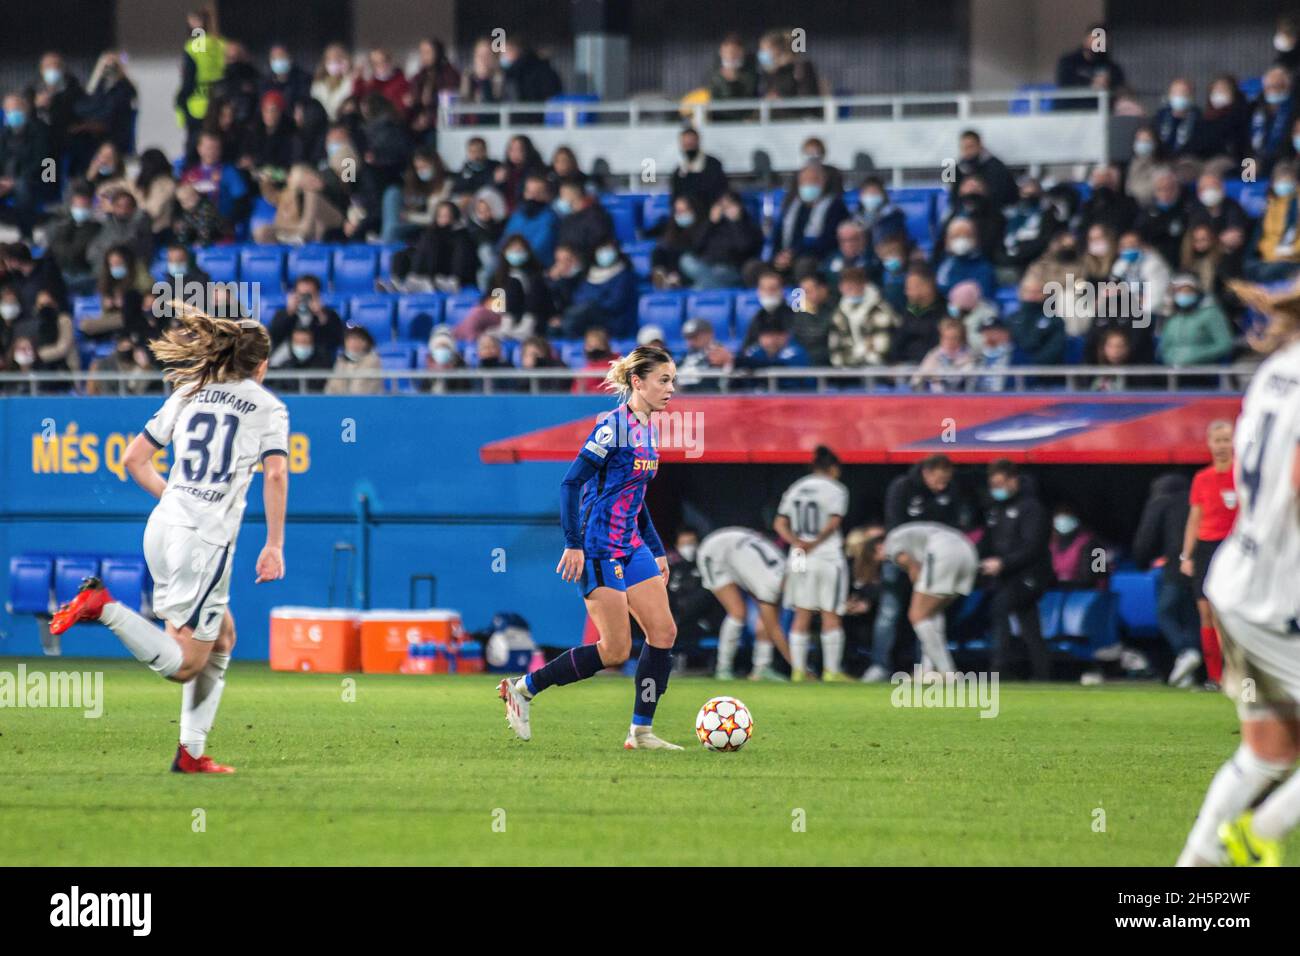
652, 670
575, 664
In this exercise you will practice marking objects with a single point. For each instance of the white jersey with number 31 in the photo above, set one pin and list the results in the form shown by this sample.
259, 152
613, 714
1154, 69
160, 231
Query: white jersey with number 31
219, 434
1255, 574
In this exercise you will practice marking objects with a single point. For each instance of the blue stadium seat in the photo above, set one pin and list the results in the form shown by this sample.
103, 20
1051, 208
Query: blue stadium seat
918, 205
85, 307
1136, 593
717, 307
263, 264
31, 583
773, 200
311, 260
1092, 616
127, 578
373, 312
663, 309
338, 302
1049, 614
640, 253
555, 114
386, 258
269, 303
746, 304
570, 350
655, 209
409, 310
459, 305
1020, 106
355, 268
622, 210
1074, 349
1008, 299
69, 569
1253, 198
219, 262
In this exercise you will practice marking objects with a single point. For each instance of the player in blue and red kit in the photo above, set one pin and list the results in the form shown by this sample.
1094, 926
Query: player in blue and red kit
611, 549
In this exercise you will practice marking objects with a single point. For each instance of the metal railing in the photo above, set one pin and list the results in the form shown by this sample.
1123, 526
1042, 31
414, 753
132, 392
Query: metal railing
1133, 379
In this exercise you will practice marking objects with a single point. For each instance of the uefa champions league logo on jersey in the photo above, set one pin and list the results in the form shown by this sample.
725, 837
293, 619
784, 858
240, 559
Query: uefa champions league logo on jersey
221, 300
674, 430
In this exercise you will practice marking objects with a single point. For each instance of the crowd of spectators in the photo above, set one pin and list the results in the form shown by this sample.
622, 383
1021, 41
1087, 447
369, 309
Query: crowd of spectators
1135, 263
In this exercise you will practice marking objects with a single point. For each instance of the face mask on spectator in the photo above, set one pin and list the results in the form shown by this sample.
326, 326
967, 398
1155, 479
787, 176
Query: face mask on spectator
687, 551
1283, 43
506, 61
1210, 197
24, 357
1179, 102
335, 67
302, 352
10, 311
606, 256
1185, 300
516, 257
766, 59
533, 207
279, 66
79, 214
1130, 255
442, 355
1067, 252
117, 272
15, 119
809, 192
954, 311
1220, 99
175, 268
1000, 494
852, 299
1276, 98
1295, 142
333, 148
961, 246
353, 356
690, 154
872, 201
684, 219
1284, 187
731, 64
1099, 248
1065, 524
52, 77
425, 174
562, 207
892, 263
1143, 147
771, 302
813, 157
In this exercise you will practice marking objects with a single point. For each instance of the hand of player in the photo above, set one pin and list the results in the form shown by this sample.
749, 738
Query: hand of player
1185, 566
662, 561
270, 564
571, 563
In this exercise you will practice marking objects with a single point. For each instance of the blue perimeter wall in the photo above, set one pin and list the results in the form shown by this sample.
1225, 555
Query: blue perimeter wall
435, 507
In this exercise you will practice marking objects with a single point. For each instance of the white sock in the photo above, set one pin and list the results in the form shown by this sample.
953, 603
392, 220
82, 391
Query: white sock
1236, 786
199, 700
832, 650
1280, 812
932, 634
150, 645
728, 641
521, 686
799, 641
763, 655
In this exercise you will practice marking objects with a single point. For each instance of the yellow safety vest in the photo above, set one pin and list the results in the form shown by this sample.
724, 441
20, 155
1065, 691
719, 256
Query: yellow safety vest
209, 56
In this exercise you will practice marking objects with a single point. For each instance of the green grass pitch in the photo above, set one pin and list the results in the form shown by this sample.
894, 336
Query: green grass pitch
424, 771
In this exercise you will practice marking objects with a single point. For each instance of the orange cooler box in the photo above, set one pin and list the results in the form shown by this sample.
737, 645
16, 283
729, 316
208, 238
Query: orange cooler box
386, 635
327, 640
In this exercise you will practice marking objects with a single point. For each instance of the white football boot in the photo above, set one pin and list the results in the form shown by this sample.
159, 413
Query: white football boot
1184, 672
643, 738
516, 708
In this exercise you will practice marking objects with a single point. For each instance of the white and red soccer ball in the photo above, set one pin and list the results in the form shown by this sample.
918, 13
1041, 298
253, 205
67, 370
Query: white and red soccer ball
724, 724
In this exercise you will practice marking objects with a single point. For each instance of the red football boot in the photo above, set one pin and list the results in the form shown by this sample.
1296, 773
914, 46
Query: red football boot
86, 606
184, 763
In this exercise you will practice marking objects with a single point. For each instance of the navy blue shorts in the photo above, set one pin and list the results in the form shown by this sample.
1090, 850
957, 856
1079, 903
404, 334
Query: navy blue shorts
618, 573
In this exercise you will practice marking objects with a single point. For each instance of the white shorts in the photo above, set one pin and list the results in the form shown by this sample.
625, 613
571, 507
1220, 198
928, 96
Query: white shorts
745, 568
1261, 668
191, 577
820, 586
947, 570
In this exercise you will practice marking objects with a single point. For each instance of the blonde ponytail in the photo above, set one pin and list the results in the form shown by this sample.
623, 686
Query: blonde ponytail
200, 349
640, 362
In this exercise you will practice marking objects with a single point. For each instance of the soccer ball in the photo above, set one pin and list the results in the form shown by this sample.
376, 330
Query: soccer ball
724, 723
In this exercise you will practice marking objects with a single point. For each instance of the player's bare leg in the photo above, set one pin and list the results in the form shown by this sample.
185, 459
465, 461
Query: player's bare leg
648, 603
926, 616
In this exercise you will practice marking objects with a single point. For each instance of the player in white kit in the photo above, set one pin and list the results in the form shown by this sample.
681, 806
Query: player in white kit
1253, 587
736, 560
817, 573
221, 423
942, 563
